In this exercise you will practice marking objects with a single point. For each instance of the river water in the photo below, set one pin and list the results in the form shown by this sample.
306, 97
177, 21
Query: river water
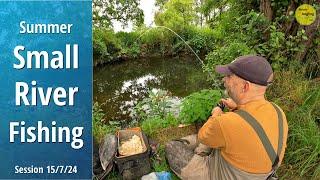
118, 87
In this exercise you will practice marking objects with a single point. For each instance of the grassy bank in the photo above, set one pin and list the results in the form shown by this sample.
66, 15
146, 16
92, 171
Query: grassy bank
300, 99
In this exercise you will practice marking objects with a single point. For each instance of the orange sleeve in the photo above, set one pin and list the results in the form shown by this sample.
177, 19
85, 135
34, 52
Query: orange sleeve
211, 134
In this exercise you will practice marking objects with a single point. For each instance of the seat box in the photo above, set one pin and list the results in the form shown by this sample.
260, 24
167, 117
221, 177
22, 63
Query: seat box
137, 165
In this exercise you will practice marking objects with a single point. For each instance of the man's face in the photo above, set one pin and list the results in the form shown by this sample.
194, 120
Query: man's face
234, 87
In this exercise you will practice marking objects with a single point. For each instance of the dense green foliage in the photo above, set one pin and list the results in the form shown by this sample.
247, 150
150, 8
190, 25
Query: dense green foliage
157, 41
105, 46
176, 14
197, 106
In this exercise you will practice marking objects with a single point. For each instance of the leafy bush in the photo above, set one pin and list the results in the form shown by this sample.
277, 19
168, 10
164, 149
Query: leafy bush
155, 112
106, 46
155, 105
157, 40
279, 48
132, 51
197, 106
130, 44
253, 26
127, 38
101, 128
201, 40
98, 127
226, 54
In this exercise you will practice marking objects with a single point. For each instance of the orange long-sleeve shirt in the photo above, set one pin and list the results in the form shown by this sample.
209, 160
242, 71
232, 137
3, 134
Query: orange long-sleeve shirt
240, 145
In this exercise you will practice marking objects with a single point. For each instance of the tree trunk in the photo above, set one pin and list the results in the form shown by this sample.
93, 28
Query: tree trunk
291, 23
310, 32
265, 8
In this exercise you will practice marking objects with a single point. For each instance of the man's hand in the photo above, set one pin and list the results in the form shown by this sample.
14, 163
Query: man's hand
216, 111
229, 103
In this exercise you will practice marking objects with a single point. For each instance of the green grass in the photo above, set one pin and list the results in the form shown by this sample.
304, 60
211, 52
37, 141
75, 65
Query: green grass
153, 123
300, 99
303, 152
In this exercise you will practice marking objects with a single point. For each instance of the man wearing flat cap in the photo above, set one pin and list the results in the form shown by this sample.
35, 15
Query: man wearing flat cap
248, 142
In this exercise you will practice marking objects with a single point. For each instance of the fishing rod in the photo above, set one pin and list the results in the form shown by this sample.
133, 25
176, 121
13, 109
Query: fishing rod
156, 26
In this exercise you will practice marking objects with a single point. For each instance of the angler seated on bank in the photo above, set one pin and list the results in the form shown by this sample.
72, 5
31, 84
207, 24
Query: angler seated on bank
248, 142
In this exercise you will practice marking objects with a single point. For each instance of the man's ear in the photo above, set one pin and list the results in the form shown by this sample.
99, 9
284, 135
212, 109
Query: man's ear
246, 86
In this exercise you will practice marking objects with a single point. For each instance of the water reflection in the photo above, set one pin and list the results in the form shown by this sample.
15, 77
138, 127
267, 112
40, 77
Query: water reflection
119, 87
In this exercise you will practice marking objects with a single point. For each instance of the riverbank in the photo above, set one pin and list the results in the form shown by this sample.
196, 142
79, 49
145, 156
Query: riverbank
298, 96
110, 47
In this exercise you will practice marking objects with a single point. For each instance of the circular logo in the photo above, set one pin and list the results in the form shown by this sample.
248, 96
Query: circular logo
305, 14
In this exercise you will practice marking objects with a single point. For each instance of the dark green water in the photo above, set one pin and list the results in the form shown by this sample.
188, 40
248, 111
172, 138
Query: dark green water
118, 87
